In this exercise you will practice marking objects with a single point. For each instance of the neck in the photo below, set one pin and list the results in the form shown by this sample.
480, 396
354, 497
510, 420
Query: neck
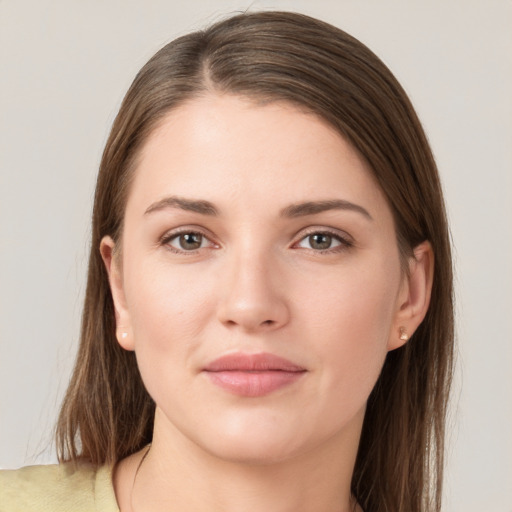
177, 474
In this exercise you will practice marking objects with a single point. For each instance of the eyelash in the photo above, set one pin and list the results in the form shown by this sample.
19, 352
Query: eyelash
344, 242
169, 237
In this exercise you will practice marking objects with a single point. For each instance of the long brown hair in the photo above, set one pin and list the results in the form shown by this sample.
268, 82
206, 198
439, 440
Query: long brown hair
275, 56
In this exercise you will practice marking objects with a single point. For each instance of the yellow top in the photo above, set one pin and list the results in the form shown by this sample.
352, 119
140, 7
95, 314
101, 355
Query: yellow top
57, 488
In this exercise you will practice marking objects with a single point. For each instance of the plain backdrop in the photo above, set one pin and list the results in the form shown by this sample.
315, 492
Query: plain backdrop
64, 68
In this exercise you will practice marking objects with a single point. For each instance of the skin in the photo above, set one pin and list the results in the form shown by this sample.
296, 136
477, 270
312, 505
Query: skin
259, 282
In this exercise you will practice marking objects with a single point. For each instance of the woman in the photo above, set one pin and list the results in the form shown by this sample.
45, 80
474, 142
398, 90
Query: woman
268, 322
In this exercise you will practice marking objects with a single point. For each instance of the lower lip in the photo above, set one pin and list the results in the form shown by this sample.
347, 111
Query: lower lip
253, 383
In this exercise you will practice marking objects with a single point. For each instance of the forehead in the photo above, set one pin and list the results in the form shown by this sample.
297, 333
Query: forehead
223, 147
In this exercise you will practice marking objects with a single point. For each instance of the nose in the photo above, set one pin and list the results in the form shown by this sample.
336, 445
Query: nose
253, 295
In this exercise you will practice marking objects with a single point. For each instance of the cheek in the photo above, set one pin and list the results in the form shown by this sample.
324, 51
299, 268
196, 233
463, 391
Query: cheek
167, 311
356, 303
350, 319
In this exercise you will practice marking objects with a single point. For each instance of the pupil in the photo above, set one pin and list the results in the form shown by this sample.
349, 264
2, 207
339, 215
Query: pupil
320, 241
190, 241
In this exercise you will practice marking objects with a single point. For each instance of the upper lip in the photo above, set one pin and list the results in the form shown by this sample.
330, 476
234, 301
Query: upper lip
252, 362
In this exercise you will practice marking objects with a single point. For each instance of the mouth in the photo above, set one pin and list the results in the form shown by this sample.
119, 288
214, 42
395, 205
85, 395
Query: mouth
253, 375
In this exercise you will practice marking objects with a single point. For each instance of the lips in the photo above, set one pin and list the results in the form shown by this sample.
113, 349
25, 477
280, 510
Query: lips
252, 375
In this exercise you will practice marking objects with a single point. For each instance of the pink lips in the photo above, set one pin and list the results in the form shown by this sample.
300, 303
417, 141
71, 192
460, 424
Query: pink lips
252, 375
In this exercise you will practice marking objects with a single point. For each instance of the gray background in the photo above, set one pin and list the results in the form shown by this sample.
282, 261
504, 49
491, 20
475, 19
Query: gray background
64, 67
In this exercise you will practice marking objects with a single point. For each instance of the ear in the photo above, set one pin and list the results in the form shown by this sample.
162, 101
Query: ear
414, 296
115, 276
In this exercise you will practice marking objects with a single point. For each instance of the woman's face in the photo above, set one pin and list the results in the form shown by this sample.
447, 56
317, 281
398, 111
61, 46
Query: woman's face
260, 281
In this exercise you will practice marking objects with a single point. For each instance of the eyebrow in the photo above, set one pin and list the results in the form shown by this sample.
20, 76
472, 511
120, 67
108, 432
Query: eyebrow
292, 211
191, 205
314, 207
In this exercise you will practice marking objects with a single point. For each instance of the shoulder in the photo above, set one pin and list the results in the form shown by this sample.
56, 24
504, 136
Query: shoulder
58, 487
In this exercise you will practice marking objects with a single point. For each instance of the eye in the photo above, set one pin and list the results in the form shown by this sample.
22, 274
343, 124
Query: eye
323, 241
187, 241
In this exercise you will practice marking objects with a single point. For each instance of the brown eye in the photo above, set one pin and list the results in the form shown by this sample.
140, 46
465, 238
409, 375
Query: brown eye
190, 241
187, 241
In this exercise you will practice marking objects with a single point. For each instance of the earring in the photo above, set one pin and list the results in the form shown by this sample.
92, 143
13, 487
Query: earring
122, 334
402, 334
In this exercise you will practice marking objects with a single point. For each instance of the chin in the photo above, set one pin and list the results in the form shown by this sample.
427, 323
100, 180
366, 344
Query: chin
253, 452
267, 439
248, 439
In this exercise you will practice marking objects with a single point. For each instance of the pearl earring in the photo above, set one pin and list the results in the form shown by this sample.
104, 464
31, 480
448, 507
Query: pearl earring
122, 334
